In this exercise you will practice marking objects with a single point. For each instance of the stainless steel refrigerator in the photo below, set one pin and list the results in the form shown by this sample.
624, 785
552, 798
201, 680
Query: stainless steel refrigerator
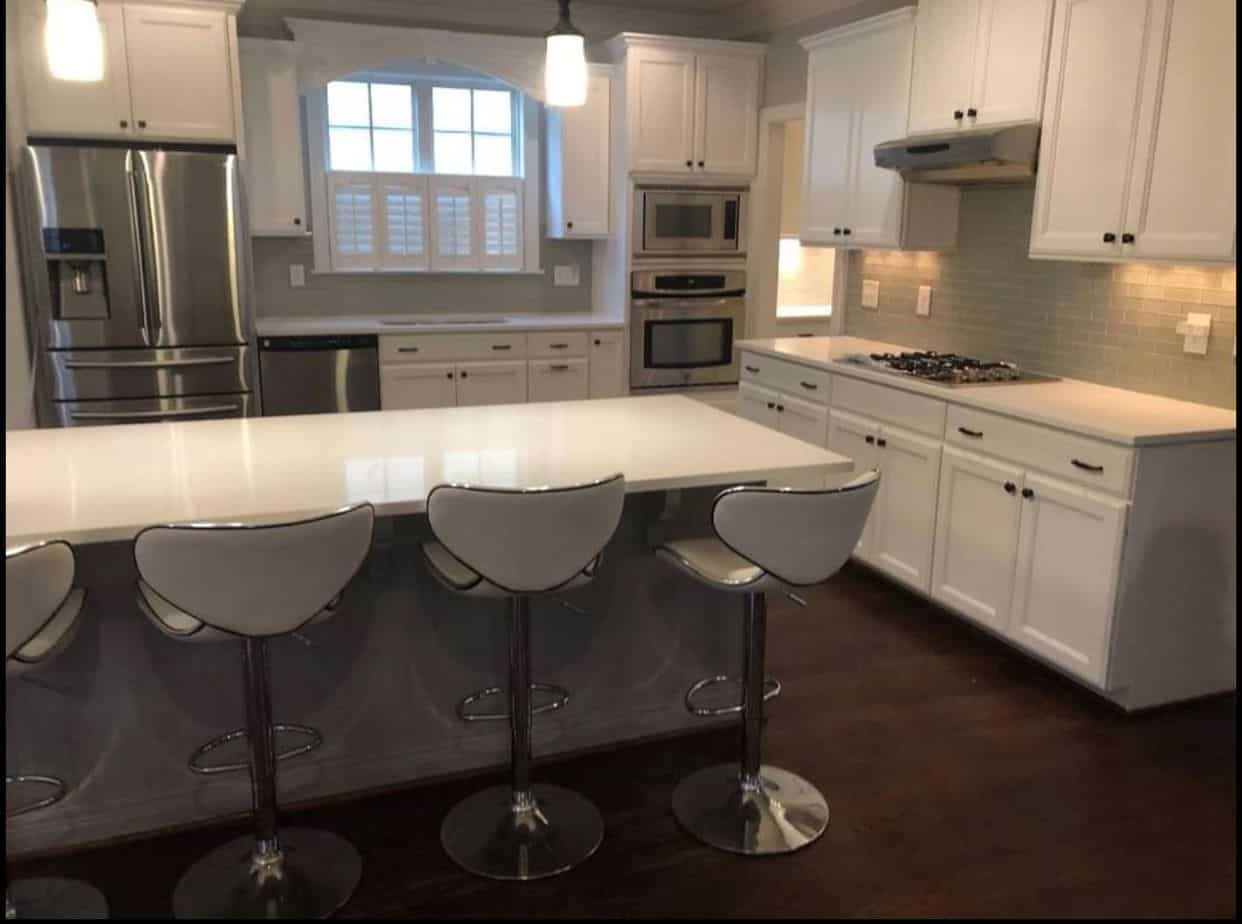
137, 284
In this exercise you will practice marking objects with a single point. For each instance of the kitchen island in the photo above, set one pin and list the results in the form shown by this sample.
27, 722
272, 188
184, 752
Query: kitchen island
118, 713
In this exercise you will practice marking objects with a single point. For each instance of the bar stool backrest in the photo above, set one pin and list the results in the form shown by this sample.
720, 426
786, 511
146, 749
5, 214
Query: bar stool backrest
256, 580
37, 580
799, 537
527, 541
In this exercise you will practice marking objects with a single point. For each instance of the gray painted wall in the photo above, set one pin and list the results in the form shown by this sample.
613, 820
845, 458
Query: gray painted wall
1112, 324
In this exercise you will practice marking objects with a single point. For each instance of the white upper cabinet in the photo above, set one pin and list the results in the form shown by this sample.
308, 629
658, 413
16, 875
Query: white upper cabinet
70, 108
180, 73
858, 92
578, 163
692, 106
978, 62
726, 113
1137, 158
275, 177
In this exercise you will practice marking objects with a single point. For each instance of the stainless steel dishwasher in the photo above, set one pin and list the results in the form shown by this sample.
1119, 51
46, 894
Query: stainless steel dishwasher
319, 374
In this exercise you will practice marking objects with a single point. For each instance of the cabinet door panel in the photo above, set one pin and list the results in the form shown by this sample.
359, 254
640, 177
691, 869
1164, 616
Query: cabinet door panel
944, 40
905, 511
1069, 549
1183, 197
758, 404
559, 380
829, 133
726, 113
275, 179
660, 87
1089, 125
607, 353
491, 383
171, 50
1011, 52
976, 546
578, 152
803, 420
417, 385
855, 437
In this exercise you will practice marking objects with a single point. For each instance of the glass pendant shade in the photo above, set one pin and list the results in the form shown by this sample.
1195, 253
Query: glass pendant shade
565, 69
73, 40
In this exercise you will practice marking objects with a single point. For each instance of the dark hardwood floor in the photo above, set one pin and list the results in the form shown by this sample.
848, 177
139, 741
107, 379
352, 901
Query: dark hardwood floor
963, 779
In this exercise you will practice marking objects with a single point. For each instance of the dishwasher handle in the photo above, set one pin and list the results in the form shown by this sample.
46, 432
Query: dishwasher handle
313, 342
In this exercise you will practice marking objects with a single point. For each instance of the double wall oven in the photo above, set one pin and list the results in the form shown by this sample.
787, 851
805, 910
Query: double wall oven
683, 324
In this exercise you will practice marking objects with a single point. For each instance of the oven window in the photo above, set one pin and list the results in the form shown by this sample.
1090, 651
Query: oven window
688, 344
685, 222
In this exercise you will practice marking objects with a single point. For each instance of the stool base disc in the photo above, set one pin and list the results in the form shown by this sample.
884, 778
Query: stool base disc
485, 836
786, 815
57, 898
321, 872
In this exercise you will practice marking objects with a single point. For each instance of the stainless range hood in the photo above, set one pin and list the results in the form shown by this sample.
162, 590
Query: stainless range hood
1004, 154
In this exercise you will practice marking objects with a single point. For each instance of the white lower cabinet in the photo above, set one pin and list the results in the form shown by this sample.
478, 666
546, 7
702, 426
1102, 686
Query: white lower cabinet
854, 437
904, 515
977, 537
411, 386
502, 382
607, 354
559, 380
754, 402
1069, 552
801, 419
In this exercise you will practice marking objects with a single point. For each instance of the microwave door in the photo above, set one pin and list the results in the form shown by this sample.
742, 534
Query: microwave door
190, 226
682, 222
79, 245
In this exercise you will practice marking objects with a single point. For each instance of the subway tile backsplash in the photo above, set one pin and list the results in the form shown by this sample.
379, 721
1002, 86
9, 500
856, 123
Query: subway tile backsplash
1106, 323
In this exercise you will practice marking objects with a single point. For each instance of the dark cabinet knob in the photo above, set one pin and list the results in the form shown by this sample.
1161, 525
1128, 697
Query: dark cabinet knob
1127, 238
780, 407
448, 375
836, 230
142, 123
124, 123
597, 341
569, 224
771, 405
845, 230
464, 374
1028, 493
957, 113
1109, 237
1010, 487
689, 163
881, 443
700, 163
868, 440
297, 221
972, 112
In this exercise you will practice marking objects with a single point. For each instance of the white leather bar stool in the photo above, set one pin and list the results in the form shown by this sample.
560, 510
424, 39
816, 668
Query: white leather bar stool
514, 544
42, 611
250, 584
767, 539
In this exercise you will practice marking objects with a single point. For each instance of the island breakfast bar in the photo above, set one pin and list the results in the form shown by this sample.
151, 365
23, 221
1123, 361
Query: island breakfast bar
122, 709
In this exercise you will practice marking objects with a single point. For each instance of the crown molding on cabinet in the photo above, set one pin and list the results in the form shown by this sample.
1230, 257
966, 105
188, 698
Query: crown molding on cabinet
855, 29
618, 43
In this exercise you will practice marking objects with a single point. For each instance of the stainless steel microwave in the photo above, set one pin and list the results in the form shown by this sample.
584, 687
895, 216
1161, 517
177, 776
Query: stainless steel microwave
689, 221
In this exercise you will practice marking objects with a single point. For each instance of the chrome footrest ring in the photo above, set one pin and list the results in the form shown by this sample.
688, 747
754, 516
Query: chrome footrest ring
197, 766
771, 689
59, 788
560, 698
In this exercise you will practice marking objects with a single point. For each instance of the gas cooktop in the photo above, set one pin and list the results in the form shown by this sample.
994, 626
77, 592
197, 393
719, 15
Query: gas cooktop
948, 369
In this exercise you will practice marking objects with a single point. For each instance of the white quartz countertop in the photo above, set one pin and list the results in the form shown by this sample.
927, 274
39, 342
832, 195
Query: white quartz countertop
430, 324
97, 484
1113, 414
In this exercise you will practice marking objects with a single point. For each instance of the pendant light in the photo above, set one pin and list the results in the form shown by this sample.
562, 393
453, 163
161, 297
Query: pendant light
565, 70
73, 40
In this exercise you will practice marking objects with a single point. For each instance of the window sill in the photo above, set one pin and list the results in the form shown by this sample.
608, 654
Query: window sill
403, 272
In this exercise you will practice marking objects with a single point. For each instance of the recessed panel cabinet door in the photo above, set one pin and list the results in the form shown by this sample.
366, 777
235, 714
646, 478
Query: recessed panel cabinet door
829, 143
1090, 125
976, 548
491, 383
1183, 197
1010, 61
944, 39
607, 365
660, 84
758, 404
905, 509
417, 385
275, 186
180, 75
855, 437
1069, 550
803, 420
726, 113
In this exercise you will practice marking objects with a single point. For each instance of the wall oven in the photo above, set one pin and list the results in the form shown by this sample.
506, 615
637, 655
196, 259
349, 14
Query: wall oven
684, 322
689, 221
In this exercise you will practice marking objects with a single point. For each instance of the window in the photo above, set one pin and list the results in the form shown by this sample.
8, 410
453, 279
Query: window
473, 131
371, 126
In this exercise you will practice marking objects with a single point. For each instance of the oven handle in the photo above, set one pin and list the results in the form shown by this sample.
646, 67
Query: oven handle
685, 302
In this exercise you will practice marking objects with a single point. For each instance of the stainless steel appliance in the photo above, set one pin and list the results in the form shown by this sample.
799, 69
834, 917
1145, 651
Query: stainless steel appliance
136, 284
1005, 154
683, 323
319, 375
678, 221
948, 369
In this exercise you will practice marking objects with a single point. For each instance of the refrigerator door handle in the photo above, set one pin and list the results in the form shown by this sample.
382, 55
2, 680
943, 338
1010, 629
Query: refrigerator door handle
149, 363
148, 271
155, 415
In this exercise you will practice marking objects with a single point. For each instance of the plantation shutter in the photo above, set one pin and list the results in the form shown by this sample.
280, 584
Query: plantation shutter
353, 214
406, 238
452, 216
501, 222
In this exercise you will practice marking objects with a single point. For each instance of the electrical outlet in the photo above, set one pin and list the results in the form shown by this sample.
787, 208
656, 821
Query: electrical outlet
566, 275
871, 293
1196, 329
297, 275
923, 307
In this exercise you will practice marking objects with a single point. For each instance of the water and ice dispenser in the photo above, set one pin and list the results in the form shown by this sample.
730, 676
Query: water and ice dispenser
77, 273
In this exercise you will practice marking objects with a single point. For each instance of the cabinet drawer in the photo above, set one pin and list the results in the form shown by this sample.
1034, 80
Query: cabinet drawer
552, 344
1074, 458
406, 348
558, 380
792, 378
891, 405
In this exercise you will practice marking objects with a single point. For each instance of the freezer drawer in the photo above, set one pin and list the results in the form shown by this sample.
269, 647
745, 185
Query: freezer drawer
151, 410
79, 375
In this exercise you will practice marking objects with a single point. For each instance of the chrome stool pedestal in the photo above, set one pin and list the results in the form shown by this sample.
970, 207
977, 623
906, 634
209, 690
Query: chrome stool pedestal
750, 807
294, 873
520, 830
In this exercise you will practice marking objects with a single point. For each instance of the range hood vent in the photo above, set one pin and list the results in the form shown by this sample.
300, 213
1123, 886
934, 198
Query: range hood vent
1005, 154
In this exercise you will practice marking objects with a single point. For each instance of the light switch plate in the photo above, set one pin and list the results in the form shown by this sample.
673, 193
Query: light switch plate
297, 275
923, 306
870, 293
1196, 329
566, 275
